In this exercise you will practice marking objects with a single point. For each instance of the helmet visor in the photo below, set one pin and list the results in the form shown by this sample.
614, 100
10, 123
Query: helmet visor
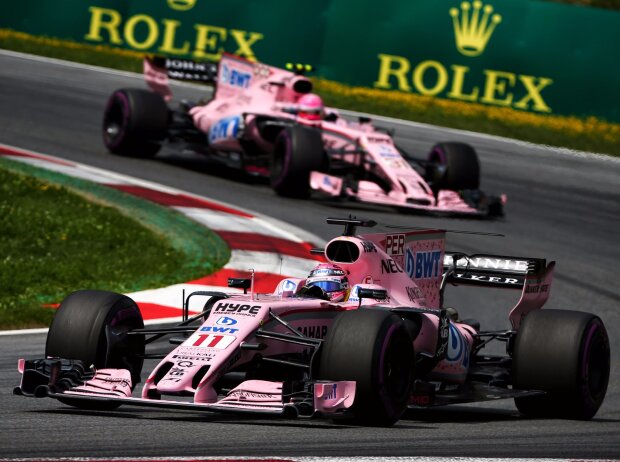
327, 286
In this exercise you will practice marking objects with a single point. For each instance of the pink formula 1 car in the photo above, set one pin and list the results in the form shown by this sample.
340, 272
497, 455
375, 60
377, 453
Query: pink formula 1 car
266, 121
363, 338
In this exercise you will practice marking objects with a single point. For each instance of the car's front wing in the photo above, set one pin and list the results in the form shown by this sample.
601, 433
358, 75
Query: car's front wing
72, 383
447, 202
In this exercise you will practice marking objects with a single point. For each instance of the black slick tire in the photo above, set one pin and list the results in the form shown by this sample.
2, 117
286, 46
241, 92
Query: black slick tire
566, 354
91, 326
297, 152
135, 122
374, 348
453, 166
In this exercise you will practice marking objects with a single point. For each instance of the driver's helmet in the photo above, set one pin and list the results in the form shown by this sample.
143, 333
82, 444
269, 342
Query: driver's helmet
332, 279
310, 107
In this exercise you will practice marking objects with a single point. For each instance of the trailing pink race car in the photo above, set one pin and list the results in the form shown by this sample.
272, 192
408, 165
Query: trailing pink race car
363, 338
267, 121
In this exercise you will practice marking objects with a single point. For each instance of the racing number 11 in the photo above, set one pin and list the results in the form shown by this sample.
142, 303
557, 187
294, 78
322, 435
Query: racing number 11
219, 342
215, 339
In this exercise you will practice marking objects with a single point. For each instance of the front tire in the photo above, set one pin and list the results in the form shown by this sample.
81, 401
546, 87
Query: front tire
135, 122
297, 152
453, 166
566, 354
372, 347
91, 326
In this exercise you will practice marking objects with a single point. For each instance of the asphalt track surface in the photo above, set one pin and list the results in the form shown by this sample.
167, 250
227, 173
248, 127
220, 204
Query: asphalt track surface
561, 206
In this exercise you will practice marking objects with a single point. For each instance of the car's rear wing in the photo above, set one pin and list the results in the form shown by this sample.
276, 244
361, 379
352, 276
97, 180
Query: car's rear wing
533, 276
158, 71
230, 77
490, 270
186, 69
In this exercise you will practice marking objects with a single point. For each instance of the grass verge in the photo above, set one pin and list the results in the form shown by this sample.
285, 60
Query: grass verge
61, 234
590, 134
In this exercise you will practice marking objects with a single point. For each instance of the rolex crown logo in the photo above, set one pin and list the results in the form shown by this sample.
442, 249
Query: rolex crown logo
473, 26
181, 5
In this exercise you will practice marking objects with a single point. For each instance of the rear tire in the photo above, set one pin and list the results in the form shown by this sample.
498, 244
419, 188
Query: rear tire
297, 151
453, 166
91, 326
135, 122
372, 347
566, 354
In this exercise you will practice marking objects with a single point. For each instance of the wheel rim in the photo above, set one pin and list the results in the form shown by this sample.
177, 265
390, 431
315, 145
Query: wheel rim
114, 120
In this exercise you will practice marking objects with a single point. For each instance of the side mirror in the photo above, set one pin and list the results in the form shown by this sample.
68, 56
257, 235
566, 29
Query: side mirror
240, 283
377, 294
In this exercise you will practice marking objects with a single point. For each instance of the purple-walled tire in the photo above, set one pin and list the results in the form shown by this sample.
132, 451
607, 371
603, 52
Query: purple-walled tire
135, 122
374, 348
565, 354
92, 326
453, 166
297, 152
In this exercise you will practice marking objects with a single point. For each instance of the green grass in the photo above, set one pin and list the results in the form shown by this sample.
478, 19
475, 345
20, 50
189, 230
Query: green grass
61, 234
568, 132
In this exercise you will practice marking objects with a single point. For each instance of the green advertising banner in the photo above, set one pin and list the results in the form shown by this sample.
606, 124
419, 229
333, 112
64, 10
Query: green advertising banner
536, 56
195, 29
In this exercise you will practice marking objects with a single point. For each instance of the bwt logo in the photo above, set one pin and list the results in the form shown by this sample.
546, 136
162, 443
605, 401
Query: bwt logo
222, 330
226, 128
387, 151
423, 265
234, 77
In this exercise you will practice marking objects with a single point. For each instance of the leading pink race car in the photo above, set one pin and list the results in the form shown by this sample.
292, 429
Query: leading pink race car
362, 339
266, 121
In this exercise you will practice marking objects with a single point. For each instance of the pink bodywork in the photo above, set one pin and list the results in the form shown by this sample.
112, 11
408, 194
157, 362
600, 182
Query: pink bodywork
385, 262
247, 90
407, 266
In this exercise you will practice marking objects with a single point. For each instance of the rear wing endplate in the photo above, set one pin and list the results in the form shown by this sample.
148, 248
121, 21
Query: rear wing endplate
533, 276
159, 70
